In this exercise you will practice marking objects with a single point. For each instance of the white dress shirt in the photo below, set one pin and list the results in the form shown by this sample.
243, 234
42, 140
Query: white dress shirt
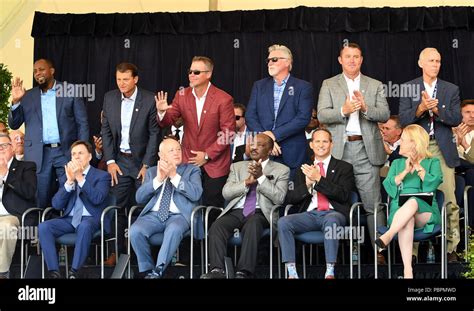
353, 124
156, 184
70, 188
200, 102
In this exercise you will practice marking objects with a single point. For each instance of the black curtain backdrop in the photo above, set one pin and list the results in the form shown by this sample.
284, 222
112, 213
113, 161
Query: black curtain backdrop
86, 47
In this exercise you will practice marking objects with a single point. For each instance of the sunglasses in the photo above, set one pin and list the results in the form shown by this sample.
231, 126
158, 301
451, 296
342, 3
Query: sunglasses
238, 117
196, 72
274, 59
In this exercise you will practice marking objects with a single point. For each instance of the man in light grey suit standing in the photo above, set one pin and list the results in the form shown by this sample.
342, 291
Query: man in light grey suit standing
252, 188
350, 105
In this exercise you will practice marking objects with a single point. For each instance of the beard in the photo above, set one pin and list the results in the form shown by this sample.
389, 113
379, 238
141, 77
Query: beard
42, 82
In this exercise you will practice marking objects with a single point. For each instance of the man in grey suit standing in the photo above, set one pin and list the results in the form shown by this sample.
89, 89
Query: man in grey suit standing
350, 105
53, 121
252, 188
129, 137
437, 110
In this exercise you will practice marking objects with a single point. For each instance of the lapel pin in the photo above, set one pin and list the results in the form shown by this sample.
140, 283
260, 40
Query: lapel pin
332, 171
136, 109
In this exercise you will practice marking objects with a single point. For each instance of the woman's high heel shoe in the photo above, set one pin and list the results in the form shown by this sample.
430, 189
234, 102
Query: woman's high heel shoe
380, 244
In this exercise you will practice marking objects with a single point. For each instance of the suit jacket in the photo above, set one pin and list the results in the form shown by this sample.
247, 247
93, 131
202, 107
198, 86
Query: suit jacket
449, 116
144, 130
294, 114
185, 197
212, 134
337, 186
240, 150
72, 123
19, 190
332, 96
93, 194
271, 192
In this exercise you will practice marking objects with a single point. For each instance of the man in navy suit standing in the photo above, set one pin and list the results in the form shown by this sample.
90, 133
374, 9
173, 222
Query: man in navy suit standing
82, 197
53, 121
280, 106
171, 190
437, 110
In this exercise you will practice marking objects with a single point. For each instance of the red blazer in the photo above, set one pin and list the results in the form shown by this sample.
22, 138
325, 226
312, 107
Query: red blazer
217, 123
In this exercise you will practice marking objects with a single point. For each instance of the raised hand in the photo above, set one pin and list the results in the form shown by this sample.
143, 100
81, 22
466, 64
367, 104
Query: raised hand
161, 101
312, 172
18, 91
350, 106
360, 99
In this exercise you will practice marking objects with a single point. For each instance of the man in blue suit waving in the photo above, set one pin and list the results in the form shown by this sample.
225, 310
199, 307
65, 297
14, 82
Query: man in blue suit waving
53, 121
82, 197
280, 106
171, 190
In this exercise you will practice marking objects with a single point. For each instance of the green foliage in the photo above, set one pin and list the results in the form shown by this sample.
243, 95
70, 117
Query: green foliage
470, 259
5, 91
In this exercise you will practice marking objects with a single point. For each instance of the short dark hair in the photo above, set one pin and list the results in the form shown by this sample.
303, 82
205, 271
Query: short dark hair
321, 129
466, 102
241, 107
270, 140
206, 60
396, 119
124, 67
351, 45
82, 142
47, 61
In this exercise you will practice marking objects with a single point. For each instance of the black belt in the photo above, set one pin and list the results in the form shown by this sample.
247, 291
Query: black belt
53, 145
128, 155
354, 137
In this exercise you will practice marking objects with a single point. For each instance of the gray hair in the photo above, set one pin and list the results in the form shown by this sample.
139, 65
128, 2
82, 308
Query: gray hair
284, 49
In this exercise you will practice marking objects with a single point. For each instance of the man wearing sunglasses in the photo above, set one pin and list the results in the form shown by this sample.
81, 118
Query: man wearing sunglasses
280, 106
209, 123
238, 146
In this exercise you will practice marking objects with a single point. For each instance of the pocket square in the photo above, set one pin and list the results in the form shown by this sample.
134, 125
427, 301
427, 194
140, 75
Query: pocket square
270, 177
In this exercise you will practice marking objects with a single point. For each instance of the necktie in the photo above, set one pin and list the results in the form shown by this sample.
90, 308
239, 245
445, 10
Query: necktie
78, 206
431, 133
176, 134
323, 203
163, 211
250, 201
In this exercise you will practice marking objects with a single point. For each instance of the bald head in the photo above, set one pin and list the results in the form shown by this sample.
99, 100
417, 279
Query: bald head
170, 151
430, 64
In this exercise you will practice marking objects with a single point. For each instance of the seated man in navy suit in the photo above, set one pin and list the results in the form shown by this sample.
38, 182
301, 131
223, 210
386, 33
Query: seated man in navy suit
323, 191
82, 197
170, 192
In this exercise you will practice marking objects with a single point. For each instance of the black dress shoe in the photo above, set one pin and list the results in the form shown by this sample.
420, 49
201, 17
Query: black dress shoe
73, 275
243, 275
215, 273
380, 244
54, 274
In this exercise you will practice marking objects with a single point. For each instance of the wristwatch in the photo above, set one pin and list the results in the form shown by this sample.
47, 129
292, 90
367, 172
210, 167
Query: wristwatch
206, 157
146, 166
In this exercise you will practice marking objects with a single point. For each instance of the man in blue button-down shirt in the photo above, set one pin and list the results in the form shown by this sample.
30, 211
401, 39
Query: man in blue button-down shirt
53, 121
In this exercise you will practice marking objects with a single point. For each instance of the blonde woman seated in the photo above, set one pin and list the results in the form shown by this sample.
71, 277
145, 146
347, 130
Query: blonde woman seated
416, 172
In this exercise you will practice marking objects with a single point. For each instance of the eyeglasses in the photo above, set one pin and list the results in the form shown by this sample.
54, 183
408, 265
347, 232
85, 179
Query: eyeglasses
274, 59
238, 117
196, 72
4, 146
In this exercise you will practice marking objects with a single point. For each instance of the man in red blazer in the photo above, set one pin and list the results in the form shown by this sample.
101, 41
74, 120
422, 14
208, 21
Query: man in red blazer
209, 126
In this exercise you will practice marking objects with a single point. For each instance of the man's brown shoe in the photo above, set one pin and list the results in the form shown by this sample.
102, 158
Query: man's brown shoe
453, 257
111, 260
381, 259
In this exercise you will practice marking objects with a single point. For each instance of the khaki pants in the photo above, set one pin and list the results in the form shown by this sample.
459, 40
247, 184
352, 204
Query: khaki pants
448, 187
8, 235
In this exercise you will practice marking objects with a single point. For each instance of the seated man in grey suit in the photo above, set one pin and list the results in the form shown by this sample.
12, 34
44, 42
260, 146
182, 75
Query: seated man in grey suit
252, 188
323, 191
171, 190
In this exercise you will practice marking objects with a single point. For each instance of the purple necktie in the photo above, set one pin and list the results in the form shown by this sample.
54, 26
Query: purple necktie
250, 201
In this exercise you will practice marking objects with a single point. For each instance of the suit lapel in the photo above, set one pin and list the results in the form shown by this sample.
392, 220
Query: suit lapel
136, 109
37, 94
288, 88
59, 104
331, 171
207, 105
440, 91
364, 83
190, 106
117, 114
343, 84
11, 173
269, 97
